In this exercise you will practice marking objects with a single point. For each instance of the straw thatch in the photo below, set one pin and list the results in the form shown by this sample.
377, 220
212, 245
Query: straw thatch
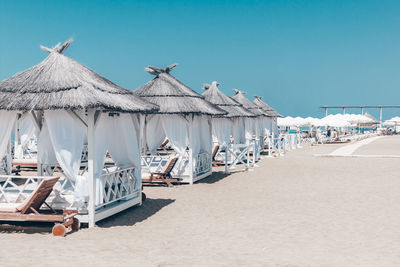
239, 97
173, 96
271, 111
218, 98
59, 82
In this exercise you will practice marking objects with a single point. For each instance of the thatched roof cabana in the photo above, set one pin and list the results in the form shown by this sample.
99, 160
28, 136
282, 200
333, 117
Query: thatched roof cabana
59, 82
70, 104
271, 111
239, 97
173, 96
218, 98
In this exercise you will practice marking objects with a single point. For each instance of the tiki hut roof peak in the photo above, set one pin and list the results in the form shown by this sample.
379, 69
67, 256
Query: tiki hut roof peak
59, 82
217, 97
173, 96
271, 111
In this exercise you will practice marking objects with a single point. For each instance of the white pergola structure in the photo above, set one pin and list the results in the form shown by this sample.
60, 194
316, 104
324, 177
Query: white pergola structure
228, 131
269, 122
70, 105
184, 119
253, 126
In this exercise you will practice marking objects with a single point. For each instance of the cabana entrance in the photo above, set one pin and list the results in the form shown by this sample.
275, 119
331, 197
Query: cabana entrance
184, 119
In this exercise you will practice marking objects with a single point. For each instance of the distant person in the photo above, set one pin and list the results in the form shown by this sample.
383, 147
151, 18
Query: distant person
328, 132
318, 135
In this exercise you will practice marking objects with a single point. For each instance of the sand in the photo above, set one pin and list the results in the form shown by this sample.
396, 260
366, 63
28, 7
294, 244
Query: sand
297, 210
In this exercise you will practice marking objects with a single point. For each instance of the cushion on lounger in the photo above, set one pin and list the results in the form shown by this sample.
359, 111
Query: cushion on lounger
10, 207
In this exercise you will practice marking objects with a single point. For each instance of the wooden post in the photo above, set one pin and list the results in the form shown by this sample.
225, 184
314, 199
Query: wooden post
190, 148
91, 174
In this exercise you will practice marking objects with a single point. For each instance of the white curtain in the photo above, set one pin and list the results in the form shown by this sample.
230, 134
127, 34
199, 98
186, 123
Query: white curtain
67, 136
176, 130
205, 132
117, 135
195, 144
46, 154
222, 130
249, 128
26, 130
7, 121
239, 131
155, 133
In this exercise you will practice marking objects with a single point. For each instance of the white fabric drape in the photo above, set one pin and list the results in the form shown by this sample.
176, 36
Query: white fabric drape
205, 133
46, 154
249, 128
7, 121
67, 136
239, 131
176, 130
155, 133
195, 144
222, 130
26, 130
118, 136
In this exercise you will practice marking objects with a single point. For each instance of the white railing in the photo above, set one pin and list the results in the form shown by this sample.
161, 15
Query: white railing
203, 164
119, 184
154, 163
15, 189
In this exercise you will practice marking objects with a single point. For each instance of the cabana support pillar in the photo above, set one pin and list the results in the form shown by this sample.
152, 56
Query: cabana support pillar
91, 153
191, 169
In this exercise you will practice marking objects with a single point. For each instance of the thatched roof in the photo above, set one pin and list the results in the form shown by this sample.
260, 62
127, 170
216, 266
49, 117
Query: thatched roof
239, 97
271, 111
173, 96
59, 82
234, 109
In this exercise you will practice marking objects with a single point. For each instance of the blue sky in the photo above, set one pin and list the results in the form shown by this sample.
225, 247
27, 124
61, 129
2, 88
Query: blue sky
297, 54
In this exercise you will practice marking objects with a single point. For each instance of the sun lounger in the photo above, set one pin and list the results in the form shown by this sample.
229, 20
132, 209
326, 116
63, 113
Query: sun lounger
163, 176
29, 210
213, 155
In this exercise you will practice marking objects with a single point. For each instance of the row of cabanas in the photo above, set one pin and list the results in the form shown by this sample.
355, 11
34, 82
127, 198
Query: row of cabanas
332, 120
79, 117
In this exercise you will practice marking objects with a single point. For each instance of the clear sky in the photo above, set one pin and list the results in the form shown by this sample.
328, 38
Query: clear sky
297, 54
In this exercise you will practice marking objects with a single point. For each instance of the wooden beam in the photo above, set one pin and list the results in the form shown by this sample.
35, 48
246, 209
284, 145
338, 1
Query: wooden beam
37, 120
76, 116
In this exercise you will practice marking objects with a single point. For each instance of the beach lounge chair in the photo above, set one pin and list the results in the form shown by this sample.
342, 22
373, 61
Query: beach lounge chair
164, 144
29, 210
165, 175
213, 155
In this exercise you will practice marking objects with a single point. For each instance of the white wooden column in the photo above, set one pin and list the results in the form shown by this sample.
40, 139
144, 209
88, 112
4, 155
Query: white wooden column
190, 148
91, 177
209, 121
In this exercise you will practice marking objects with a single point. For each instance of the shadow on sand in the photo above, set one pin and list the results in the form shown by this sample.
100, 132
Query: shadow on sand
127, 217
136, 214
213, 178
26, 227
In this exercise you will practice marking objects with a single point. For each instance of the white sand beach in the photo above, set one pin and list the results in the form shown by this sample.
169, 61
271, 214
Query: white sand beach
296, 210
